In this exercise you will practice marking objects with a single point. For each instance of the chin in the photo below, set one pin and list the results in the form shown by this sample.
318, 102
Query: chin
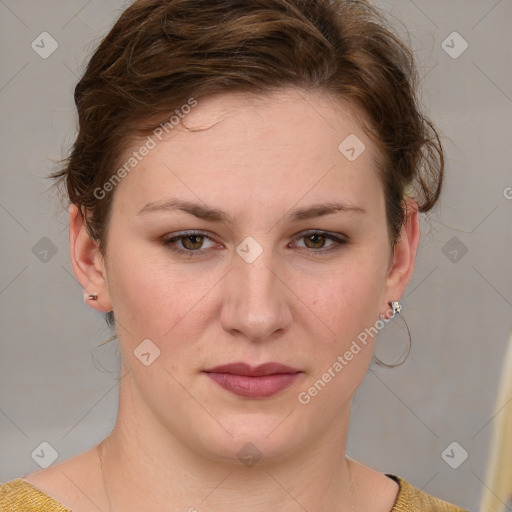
252, 438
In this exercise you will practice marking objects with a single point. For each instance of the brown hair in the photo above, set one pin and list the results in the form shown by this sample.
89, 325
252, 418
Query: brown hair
161, 53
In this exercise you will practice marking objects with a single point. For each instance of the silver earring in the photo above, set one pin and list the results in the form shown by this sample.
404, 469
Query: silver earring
91, 296
396, 306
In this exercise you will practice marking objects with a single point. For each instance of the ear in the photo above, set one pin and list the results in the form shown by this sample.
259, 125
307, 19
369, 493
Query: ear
87, 262
404, 257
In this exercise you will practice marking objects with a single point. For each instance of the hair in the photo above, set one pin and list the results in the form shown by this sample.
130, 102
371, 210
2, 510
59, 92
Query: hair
497, 491
162, 53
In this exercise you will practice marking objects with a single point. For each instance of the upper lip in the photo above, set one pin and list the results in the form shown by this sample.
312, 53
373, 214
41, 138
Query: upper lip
252, 371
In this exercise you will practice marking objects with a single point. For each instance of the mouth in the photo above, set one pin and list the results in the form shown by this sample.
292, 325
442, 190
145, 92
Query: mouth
258, 382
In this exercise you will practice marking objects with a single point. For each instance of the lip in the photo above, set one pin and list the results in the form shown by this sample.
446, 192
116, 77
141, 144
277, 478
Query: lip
257, 382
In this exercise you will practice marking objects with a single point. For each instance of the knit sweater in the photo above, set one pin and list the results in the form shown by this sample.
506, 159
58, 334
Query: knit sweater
20, 496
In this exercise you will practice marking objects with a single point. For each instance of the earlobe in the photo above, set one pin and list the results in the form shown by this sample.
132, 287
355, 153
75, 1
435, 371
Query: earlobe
87, 262
404, 255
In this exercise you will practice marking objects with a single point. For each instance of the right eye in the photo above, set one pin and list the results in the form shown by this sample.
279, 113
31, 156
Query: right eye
191, 242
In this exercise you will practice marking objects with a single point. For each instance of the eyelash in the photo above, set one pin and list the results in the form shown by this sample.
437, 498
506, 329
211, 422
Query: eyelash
337, 245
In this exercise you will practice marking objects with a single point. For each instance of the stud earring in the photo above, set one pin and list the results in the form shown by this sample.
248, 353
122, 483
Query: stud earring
396, 307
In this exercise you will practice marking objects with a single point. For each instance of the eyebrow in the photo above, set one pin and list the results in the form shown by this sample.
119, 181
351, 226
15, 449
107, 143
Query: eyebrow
208, 213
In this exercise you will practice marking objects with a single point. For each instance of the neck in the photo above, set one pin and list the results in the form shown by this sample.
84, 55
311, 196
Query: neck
143, 463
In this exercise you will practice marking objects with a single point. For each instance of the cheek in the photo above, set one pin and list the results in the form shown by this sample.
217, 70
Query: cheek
156, 299
348, 305
347, 300
345, 304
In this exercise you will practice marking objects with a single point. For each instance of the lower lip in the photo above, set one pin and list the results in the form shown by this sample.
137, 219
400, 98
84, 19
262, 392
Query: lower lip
254, 387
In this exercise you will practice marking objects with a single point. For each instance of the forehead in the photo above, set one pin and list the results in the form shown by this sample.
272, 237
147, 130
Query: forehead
286, 117
237, 148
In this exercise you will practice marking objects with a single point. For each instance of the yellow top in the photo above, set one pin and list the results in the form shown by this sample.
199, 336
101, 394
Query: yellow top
20, 496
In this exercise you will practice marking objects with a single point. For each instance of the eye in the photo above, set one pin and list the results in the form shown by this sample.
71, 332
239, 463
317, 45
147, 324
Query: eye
316, 241
188, 242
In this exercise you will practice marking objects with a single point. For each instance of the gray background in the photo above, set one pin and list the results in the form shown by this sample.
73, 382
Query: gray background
57, 385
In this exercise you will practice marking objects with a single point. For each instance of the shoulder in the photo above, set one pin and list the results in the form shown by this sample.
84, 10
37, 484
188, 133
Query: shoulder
20, 496
411, 499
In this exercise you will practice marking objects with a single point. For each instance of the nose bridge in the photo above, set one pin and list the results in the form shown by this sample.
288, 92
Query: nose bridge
257, 280
255, 304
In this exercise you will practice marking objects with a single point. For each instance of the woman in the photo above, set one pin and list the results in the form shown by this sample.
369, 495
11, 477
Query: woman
239, 211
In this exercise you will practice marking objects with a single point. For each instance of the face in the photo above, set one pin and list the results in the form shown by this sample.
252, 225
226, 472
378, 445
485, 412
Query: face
249, 237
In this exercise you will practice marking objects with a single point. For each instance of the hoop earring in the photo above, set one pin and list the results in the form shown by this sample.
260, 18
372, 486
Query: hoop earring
396, 306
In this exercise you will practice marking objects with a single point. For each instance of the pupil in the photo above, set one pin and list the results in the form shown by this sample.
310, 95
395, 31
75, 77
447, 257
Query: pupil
316, 239
193, 240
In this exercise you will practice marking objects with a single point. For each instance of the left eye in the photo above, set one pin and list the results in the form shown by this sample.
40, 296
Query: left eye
317, 240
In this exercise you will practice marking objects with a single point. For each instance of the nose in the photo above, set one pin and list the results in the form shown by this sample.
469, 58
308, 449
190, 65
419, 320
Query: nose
256, 302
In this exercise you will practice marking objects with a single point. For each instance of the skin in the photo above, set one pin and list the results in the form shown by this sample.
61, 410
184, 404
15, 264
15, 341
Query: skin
178, 433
